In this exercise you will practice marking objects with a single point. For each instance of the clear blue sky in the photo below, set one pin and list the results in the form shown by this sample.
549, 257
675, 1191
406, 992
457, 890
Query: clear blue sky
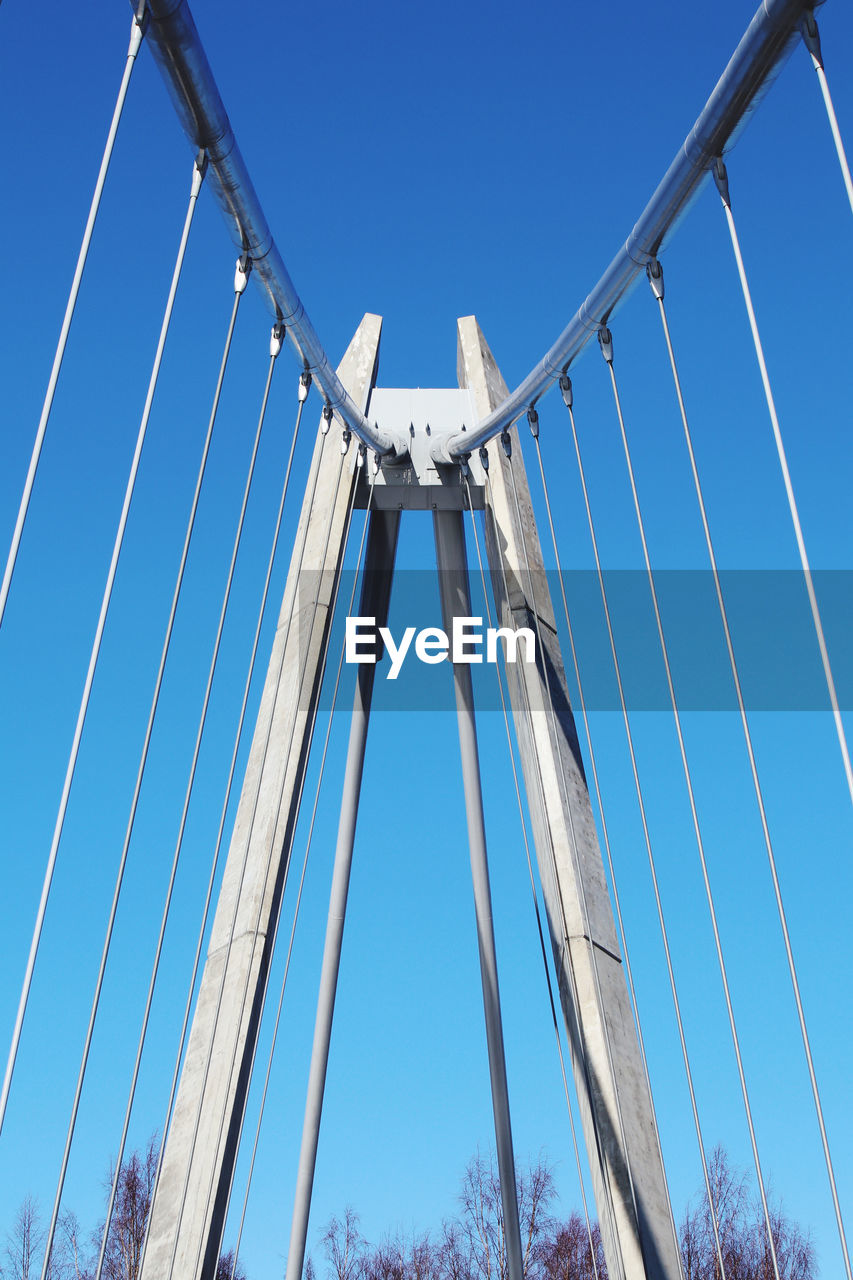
424, 165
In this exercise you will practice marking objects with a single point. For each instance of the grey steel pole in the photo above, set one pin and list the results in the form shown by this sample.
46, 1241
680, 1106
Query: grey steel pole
456, 602
375, 595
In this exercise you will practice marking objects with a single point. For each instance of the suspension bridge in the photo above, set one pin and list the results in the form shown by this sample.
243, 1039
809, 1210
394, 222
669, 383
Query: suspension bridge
182, 733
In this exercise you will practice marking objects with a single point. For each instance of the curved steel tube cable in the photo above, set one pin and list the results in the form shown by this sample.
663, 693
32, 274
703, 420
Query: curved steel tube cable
753, 767
210, 1189
768, 40
700, 844
542, 947
198, 176
174, 41
136, 34
75, 749
629, 973
238, 293
811, 36
298, 902
218, 847
568, 809
641, 804
564, 942
722, 181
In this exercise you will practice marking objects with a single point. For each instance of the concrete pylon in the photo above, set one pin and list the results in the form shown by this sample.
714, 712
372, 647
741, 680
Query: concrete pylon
187, 1216
616, 1108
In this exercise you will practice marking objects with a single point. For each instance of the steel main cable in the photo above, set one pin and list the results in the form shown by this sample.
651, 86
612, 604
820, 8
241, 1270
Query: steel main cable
580, 1046
137, 32
197, 178
236, 1251
539, 928
722, 181
811, 38
561, 771
568, 399
275, 341
606, 343
90, 674
655, 275
533, 418
256, 931
241, 279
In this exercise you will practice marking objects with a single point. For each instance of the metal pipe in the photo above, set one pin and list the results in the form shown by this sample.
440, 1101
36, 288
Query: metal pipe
769, 38
456, 602
375, 597
177, 49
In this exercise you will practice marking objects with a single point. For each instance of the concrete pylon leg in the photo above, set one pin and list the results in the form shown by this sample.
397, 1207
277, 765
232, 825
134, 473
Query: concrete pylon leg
616, 1109
187, 1216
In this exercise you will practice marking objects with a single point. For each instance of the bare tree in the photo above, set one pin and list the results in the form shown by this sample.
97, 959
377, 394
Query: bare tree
744, 1242
22, 1253
569, 1253
227, 1270
345, 1247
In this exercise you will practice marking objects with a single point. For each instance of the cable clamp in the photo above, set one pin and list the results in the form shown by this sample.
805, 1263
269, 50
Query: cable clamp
327, 418
605, 341
811, 36
241, 275
361, 455
464, 467
484, 457
721, 178
506, 441
377, 463
533, 419
277, 338
346, 436
566, 390
654, 273
303, 389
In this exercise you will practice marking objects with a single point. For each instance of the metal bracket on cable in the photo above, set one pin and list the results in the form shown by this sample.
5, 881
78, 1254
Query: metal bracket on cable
566, 390
377, 463
142, 15
242, 273
464, 459
201, 161
302, 394
279, 329
721, 177
506, 441
605, 341
654, 272
811, 36
327, 413
346, 436
361, 455
533, 419
484, 457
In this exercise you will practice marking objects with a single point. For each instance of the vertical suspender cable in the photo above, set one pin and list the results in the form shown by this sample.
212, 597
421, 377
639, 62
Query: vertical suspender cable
722, 181
276, 340
533, 417
314, 809
606, 342
198, 175
210, 1188
581, 1047
136, 33
566, 388
75, 749
811, 37
240, 281
505, 439
655, 274
539, 928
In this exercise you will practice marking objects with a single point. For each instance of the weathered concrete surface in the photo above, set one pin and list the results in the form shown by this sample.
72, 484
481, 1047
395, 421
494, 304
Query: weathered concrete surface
189, 1228
616, 1110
